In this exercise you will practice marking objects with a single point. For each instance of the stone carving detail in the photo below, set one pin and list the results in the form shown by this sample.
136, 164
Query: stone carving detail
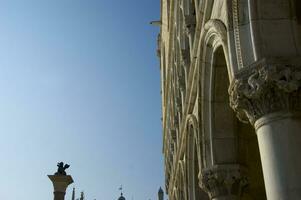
266, 89
236, 30
224, 181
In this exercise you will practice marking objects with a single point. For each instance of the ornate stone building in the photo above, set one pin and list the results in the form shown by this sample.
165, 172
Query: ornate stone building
231, 98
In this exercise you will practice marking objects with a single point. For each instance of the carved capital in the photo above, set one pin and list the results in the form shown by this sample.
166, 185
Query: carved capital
224, 181
264, 89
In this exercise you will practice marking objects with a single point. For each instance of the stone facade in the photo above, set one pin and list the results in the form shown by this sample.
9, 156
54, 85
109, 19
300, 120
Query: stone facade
231, 78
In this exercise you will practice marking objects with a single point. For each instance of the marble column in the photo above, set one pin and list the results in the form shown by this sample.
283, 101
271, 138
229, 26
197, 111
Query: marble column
269, 97
60, 184
224, 182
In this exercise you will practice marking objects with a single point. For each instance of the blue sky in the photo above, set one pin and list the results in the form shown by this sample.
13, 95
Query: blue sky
80, 82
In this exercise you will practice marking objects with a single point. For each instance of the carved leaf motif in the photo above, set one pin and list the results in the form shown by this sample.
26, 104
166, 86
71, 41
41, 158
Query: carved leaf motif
268, 89
221, 181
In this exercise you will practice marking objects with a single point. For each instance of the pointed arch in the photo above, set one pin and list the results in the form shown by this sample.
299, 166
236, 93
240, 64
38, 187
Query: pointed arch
194, 160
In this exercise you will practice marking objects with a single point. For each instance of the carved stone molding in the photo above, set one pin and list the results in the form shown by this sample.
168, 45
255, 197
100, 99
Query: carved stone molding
224, 181
265, 89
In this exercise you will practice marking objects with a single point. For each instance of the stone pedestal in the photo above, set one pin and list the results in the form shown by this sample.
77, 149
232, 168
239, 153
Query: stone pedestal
60, 184
269, 96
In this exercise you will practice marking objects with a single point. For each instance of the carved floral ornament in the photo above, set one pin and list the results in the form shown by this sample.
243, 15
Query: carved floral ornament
224, 181
265, 89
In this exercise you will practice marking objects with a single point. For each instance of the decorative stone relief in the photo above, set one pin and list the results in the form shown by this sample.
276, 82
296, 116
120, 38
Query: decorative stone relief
224, 181
235, 13
265, 89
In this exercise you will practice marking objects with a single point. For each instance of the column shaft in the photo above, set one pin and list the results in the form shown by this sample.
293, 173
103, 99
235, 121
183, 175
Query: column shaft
280, 150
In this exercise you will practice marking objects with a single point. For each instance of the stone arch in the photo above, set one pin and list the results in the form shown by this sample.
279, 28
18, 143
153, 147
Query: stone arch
219, 120
194, 162
213, 51
219, 123
214, 37
223, 121
226, 141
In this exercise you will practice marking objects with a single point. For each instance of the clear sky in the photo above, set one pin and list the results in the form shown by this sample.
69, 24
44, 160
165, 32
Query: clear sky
80, 83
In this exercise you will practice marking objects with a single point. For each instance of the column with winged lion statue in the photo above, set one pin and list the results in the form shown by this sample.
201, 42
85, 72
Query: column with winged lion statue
60, 181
